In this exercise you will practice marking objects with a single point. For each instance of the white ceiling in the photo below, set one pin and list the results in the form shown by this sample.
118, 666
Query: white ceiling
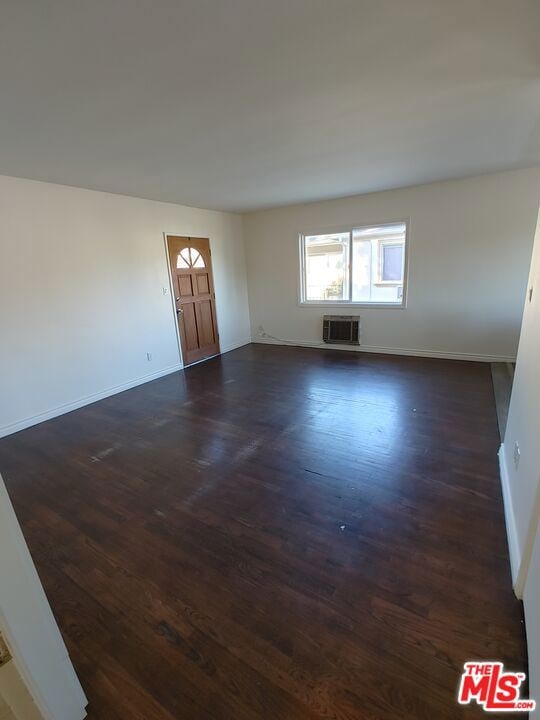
244, 104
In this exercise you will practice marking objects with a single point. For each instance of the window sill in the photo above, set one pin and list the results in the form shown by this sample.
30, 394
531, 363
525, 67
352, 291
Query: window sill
332, 303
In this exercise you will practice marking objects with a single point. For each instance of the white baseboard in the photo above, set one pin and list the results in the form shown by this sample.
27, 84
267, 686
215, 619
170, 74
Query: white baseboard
235, 345
510, 520
416, 352
81, 402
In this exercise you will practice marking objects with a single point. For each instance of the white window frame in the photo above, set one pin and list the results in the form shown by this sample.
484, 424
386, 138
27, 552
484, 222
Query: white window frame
302, 302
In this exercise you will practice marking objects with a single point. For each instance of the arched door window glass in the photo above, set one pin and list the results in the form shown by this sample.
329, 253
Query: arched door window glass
189, 257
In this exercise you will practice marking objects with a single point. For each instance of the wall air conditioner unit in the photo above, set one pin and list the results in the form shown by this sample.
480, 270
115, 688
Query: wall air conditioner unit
341, 329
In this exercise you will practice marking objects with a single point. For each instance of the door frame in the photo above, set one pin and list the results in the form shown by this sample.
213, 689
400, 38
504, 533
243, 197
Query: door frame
166, 236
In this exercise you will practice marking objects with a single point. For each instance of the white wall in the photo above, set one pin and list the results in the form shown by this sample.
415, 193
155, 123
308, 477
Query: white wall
470, 245
532, 620
81, 301
521, 479
521, 483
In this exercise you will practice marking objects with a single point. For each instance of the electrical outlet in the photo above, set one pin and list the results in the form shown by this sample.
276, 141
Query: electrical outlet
517, 454
149, 357
164, 290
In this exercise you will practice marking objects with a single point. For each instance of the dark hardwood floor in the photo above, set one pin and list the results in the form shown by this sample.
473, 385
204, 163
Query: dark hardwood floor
277, 533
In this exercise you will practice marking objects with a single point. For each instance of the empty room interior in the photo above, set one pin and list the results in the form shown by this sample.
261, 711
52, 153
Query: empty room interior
270, 359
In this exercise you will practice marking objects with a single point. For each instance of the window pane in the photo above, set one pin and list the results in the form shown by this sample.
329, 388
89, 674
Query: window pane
196, 259
189, 257
327, 267
361, 289
392, 262
181, 263
378, 255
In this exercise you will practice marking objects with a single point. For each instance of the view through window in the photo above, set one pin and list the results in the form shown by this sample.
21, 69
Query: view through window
362, 265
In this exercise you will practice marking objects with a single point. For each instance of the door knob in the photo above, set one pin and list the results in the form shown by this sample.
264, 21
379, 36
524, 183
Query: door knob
179, 310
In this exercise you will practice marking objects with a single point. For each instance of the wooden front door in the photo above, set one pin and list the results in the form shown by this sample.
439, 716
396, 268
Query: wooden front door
195, 300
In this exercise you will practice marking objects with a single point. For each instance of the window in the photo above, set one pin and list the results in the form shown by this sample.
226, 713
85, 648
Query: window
391, 262
364, 265
189, 257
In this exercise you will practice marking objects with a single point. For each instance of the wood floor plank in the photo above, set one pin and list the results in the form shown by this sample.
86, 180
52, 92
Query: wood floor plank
276, 533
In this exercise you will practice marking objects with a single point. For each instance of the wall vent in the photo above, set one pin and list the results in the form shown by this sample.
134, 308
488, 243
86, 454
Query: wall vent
341, 329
